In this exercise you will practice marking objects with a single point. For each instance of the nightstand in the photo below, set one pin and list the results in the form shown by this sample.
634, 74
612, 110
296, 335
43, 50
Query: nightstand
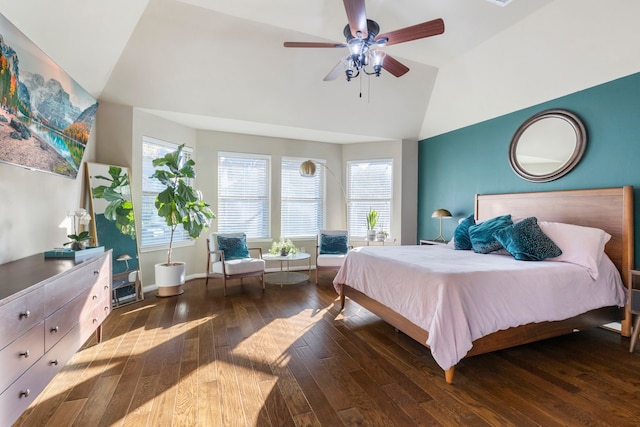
432, 242
634, 299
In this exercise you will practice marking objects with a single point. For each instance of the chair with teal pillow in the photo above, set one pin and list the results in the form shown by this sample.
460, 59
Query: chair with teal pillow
331, 250
228, 257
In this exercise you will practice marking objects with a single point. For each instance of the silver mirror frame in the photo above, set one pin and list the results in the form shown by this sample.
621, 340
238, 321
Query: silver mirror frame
578, 152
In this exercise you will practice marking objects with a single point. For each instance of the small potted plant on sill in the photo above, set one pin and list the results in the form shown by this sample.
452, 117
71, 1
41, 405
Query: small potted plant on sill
283, 247
381, 235
178, 204
372, 220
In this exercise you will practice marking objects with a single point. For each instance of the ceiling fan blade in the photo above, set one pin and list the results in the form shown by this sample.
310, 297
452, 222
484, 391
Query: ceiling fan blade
357, 17
340, 68
415, 32
393, 66
313, 44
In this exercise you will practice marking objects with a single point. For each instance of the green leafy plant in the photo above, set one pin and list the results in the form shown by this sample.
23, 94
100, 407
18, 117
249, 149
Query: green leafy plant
118, 194
283, 246
179, 203
372, 219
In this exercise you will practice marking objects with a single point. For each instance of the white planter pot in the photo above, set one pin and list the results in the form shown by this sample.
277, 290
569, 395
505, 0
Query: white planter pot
381, 237
371, 235
170, 278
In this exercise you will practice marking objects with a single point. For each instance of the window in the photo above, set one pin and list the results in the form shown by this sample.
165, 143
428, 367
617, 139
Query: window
155, 232
302, 207
244, 194
369, 186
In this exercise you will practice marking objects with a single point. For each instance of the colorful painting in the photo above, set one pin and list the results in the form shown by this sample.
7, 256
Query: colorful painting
45, 116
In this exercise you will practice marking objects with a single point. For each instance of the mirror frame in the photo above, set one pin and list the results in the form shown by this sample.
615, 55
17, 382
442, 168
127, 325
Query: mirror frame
92, 168
580, 147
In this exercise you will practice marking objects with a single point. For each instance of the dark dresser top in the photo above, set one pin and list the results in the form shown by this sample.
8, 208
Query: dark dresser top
19, 275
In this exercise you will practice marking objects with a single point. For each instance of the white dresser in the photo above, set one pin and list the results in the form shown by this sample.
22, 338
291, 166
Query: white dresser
48, 309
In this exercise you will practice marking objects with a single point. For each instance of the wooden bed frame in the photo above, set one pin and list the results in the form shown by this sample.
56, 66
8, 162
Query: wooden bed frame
610, 209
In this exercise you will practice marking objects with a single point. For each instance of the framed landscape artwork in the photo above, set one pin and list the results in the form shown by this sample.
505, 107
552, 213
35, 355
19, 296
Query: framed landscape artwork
45, 116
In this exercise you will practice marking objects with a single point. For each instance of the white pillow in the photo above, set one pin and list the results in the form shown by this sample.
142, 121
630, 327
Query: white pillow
580, 245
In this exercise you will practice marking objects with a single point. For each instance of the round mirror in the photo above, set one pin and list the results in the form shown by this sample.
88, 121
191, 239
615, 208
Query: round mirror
547, 145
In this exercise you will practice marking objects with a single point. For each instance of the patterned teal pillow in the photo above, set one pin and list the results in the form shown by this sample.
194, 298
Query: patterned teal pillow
526, 241
482, 235
233, 247
461, 240
333, 244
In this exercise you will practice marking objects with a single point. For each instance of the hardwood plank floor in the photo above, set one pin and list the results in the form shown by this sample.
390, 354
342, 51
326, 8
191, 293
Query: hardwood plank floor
287, 357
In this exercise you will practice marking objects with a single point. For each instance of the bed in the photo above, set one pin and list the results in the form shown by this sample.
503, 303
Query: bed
608, 209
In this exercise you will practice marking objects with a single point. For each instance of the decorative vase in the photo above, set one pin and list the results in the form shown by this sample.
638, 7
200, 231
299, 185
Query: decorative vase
284, 252
78, 246
381, 237
371, 235
170, 278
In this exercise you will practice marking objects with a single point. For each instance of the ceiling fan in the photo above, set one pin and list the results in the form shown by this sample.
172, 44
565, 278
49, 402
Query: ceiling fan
364, 42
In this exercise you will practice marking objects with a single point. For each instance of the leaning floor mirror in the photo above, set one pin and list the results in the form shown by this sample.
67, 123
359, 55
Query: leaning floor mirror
114, 228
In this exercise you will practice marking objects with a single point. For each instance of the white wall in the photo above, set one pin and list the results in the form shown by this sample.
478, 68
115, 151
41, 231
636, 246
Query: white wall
33, 206
565, 47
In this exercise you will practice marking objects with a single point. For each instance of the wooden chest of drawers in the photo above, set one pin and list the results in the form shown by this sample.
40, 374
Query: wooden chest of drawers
48, 309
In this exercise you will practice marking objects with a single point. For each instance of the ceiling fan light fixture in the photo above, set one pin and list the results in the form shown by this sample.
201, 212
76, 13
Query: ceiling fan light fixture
356, 46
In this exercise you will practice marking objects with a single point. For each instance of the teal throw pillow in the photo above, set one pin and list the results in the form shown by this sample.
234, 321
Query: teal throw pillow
333, 244
461, 239
482, 236
233, 247
527, 242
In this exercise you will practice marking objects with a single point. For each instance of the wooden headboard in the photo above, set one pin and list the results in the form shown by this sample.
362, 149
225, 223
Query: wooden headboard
610, 209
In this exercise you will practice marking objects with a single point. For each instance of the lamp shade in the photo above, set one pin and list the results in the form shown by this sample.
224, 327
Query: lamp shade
441, 213
307, 168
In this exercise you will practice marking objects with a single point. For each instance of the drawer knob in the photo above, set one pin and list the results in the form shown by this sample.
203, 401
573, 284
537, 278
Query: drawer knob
106, 308
54, 362
94, 297
25, 314
25, 354
55, 329
96, 272
95, 320
25, 393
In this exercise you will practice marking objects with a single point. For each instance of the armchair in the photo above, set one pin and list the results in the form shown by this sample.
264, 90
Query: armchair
229, 257
331, 250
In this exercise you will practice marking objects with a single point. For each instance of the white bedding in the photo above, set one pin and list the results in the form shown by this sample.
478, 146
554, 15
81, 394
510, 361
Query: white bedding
460, 296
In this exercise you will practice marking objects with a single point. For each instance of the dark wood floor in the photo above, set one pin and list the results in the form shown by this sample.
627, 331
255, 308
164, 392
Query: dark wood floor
287, 357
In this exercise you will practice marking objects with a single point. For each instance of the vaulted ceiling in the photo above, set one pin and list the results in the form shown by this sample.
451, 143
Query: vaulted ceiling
220, 65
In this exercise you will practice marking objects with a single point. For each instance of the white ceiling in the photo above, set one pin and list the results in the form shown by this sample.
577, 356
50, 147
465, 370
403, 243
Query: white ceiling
220, 65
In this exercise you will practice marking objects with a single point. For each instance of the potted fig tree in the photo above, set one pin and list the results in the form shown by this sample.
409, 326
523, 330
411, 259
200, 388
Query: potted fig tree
179, 204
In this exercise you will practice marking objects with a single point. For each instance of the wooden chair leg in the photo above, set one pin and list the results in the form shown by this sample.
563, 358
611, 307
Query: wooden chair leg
206, 281
262, 280
316, 274
224, 283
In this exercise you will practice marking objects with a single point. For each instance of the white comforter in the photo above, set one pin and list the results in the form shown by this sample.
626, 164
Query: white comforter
460, 296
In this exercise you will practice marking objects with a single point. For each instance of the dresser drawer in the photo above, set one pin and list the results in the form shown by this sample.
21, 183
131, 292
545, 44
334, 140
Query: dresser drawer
62, 321
65, 288
19, 355
15, 399
20, 315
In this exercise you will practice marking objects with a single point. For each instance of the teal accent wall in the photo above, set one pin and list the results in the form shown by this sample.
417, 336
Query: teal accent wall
454, 166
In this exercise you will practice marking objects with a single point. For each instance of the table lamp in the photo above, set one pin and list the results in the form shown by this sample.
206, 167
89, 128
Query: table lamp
440, 213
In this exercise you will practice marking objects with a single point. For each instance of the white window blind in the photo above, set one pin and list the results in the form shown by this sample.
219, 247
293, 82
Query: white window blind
302, 204
370, 184
155, 232
244, 194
